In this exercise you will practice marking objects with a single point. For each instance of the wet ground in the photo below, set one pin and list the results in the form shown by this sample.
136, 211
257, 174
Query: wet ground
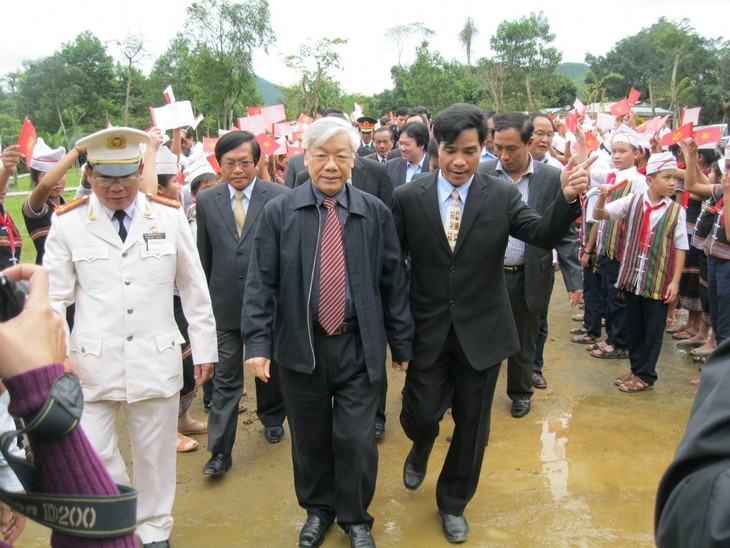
580, 470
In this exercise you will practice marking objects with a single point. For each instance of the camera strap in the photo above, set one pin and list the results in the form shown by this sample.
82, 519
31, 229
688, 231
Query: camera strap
89, 516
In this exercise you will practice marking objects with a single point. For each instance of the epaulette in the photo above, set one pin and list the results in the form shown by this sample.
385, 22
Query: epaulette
73, 204
162, 200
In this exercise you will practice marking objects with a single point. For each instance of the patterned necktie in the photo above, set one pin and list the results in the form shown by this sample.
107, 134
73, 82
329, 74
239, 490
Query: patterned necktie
453, 219
331, 272
120, 215
238, 213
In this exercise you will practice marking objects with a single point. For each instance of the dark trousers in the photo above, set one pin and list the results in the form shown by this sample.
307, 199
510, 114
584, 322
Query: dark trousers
593, 311
429, 390
645, 323
519, 366
542, 331
331, 415
612, 303
718, 295
380, 416
227, 390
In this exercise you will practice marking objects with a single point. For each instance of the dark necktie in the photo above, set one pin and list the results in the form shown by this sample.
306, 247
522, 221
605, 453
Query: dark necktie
120, 215
331, 272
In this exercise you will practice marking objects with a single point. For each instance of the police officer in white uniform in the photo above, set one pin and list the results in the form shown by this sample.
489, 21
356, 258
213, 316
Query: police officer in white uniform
116, 255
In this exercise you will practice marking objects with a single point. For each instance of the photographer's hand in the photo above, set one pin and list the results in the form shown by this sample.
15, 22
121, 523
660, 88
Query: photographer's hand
12, 523
36, 336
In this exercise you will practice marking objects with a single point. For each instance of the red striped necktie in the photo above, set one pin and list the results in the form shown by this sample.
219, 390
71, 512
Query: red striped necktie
331, 272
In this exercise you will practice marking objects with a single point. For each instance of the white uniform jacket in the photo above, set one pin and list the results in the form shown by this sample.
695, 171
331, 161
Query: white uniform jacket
125, 342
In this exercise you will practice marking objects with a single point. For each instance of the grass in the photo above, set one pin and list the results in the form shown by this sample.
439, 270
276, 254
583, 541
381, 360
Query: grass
14, 205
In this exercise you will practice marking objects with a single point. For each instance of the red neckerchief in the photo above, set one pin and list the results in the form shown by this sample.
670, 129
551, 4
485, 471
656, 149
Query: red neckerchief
7, 222
645, 231
642, 169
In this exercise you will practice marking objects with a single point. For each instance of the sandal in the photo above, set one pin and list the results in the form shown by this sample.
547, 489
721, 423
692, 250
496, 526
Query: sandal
616, 353
194, 427
623, 379
186, 444
577, 317
585, 338
578, 330
634, 384
701, 352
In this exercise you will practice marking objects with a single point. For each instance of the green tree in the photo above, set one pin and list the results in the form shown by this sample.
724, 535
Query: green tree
225, 35
523, 48
132, 49
75, 89
467, 36
317, 89
402, 33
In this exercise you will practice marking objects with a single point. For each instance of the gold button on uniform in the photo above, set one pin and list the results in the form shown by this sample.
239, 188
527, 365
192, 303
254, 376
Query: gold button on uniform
130, 338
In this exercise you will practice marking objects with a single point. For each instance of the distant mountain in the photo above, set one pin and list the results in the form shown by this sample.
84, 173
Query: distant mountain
575, 71
270, 92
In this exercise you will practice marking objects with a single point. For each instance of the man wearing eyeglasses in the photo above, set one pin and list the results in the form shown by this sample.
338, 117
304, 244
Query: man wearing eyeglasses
326, 291
227, 216
117, 255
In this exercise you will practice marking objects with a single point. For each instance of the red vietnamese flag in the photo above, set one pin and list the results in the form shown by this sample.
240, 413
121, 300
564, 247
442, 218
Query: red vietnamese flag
26, 140
634, 95
673, 137
169, 96
254, 111
591, 142
571, 121
621, 108
708, 135
304, 119
209, 143
291, 150
267, 143
213, 163
297, 135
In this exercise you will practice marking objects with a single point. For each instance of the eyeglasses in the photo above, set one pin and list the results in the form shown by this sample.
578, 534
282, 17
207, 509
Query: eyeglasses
542, 134
243, 164
106, 182
340, 159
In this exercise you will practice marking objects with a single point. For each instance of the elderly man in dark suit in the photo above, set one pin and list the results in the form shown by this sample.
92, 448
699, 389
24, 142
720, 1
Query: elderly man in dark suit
414, 159
227, 215
528, 268
454, 225
326, 291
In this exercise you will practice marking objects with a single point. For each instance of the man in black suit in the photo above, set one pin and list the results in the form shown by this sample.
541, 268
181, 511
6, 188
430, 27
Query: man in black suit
454, 226
326, 243
414, 159
383, 139
227, 215
529, 269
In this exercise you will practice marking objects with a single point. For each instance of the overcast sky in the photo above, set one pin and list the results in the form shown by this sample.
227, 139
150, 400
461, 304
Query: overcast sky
367, 57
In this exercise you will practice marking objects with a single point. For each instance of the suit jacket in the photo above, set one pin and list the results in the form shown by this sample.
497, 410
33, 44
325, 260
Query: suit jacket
283, 264
397, 169
467, 288
693, 501
223, 254
367, 175
293, 166
125, 342
544, 188
365, 150
374, 156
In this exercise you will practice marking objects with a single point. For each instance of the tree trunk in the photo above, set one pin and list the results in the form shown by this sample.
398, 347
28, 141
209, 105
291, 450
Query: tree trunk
651, 99
673, 87
129, 93
60, 120
528, 90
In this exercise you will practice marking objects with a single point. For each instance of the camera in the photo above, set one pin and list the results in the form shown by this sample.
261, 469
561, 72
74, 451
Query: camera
12, 297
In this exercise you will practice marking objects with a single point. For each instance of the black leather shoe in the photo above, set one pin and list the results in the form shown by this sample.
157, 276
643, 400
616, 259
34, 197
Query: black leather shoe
379, 430
456, 529
312, 533
157, 544
414, 469
218, 465
520, 408
274, 434
538, 381
360, 536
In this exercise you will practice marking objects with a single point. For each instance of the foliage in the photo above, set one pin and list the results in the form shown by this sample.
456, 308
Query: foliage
467, 35
402, 33
317, 89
